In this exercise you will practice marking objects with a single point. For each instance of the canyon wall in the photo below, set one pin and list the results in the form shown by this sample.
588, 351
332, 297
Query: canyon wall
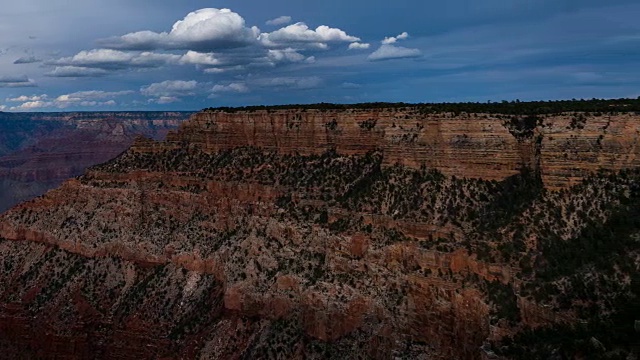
320, 234
467, 145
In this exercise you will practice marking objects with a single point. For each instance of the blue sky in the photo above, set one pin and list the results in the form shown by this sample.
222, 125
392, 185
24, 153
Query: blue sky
187, 55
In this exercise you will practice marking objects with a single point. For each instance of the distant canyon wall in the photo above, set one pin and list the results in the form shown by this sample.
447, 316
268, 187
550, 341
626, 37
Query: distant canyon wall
41, 150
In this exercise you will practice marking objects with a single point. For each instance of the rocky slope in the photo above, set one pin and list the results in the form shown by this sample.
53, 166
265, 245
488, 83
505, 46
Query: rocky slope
380, 233
40, 150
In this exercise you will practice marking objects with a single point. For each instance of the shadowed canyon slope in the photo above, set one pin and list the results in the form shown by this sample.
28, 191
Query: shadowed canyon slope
315, 233
40, 150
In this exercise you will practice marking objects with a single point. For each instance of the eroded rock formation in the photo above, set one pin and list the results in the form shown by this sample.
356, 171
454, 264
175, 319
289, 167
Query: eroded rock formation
326, 234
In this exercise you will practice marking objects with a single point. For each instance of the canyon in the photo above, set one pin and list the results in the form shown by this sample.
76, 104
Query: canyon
336, 233
38, 151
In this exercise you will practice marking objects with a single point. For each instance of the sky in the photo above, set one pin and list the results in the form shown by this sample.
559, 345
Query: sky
97, 55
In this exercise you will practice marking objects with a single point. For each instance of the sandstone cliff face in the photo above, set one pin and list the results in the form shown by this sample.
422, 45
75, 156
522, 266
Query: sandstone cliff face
467, 145
473, 147
288, 235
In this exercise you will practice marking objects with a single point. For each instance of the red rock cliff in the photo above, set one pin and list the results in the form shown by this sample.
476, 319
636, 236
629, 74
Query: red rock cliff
469, 145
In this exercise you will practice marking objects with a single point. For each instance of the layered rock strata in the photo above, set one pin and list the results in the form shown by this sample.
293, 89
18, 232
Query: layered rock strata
311, 234
466, 145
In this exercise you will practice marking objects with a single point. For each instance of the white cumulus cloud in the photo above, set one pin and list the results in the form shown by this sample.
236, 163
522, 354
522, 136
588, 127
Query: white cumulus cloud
214, 41
215, 63
204, 29
394, 39
197, 58
301, 34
